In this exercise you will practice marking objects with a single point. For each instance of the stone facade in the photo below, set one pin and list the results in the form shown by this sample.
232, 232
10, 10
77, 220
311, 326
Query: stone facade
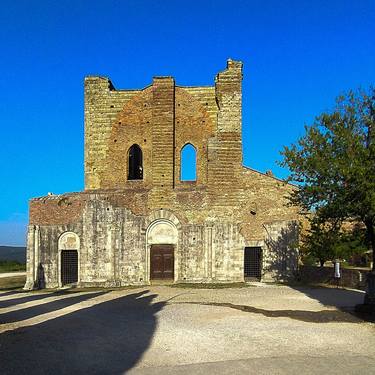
115, 221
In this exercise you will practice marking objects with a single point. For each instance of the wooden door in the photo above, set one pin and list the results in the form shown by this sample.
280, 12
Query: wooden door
162, 262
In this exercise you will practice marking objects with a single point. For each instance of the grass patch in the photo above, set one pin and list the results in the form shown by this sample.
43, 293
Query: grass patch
14, 282
11, 266
210, 286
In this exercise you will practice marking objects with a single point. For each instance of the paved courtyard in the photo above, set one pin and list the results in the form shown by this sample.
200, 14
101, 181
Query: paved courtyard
263, 329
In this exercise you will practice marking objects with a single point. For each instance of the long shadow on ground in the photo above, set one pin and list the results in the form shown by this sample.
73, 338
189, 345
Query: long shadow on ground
324, 316
343, 299
22, 298
30, 312
340, 298
107, 338
9, 292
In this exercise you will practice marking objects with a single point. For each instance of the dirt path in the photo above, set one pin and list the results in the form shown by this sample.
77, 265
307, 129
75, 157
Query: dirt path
161, 329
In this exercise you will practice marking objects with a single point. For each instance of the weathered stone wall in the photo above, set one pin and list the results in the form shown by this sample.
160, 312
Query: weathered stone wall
114, 245
227, 208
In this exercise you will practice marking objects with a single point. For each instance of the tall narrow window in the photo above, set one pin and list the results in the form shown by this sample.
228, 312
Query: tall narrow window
188, 163
135, 168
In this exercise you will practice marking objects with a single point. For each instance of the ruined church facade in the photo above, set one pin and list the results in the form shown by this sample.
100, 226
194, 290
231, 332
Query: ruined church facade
137, 221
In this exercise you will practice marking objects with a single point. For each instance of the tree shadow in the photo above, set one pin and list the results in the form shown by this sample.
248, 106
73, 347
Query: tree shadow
323, 316
282, 259
344, 300
283, 265
107, 338
335, 297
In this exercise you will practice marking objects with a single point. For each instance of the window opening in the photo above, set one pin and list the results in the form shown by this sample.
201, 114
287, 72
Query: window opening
188, 163
135, 167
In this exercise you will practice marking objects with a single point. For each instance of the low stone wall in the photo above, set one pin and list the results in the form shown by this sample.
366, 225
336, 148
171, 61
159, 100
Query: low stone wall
350, 278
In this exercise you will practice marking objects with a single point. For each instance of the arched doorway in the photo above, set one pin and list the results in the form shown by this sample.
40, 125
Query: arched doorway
68, 258
162, 238
162, 262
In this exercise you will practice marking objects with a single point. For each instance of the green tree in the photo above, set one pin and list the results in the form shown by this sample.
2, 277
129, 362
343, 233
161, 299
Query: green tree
334, 163
328, 240
320, 240
352, 242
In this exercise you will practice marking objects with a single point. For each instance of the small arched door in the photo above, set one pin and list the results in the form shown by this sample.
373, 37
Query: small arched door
69, 258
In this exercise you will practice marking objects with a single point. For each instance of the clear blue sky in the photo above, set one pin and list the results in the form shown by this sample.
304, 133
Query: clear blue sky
298, 56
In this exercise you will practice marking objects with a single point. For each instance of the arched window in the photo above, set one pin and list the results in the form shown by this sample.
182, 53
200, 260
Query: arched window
188, 163
135, 168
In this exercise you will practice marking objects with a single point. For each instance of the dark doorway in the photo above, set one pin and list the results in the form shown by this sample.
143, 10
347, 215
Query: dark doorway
253, 263
162, 262
135, 168
69, 266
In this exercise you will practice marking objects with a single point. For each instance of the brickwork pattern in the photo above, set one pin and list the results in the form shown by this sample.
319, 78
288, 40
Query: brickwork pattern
227, 208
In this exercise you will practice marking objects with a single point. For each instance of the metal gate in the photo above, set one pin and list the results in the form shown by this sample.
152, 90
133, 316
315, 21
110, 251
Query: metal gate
253, 263
69, 266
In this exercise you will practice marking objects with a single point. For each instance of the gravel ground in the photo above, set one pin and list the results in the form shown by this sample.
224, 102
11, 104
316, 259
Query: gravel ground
258, 329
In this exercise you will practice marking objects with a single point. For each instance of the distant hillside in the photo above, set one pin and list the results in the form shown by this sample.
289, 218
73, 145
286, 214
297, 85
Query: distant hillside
13, 253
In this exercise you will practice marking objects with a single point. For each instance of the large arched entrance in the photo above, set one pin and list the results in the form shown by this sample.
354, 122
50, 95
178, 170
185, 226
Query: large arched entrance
162, 239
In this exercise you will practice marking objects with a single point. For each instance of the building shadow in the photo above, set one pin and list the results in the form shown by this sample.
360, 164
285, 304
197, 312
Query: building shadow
107, 338
58, 304
22, 298
12, 289
11, 292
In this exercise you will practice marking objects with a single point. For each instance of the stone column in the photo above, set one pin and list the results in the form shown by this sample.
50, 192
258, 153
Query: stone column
209, 252
30, 261
36, 253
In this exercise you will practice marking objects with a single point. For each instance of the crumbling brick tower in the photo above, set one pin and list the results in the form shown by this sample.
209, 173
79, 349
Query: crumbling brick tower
137, 221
